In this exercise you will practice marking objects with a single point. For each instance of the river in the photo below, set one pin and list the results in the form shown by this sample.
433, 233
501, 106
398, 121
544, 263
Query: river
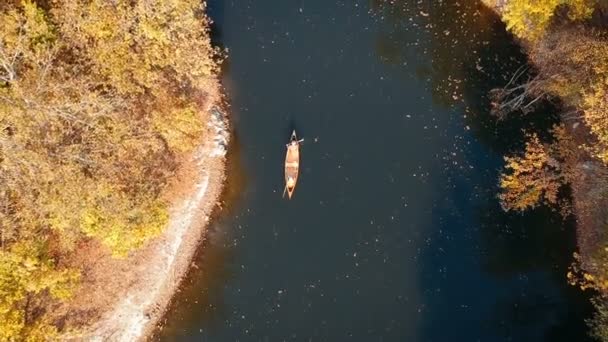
395, 232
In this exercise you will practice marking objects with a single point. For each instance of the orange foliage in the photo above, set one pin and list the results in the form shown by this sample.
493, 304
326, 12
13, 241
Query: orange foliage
530, 179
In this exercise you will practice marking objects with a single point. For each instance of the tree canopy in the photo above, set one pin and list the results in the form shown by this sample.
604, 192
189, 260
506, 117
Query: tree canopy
530, 19
98, 99
531, 179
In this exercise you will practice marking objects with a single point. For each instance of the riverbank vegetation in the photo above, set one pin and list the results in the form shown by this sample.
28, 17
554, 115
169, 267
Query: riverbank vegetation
98, 102
567, 44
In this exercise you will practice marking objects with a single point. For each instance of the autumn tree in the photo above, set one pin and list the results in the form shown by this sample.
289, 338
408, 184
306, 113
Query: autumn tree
95, 108
25, 276
530, 179
596, 117
571, 62
598, 281
99, 100
599, 322
573, 66
530, 19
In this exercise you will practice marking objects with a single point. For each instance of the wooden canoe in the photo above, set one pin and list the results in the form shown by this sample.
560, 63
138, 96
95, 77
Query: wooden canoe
292, 164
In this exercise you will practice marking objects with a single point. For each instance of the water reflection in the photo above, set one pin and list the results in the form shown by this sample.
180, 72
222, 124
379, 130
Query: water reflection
236, 178
538, 240
201, 301
201, 295
463, 51
531, 246
449, 36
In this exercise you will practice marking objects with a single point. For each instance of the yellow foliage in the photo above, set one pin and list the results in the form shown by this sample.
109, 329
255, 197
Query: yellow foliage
181, 127
97, 100
587, 280
574, 66
530, 19
99, 115
573, 62
530, 179
133, 44
123, 224
24, 273
596, 117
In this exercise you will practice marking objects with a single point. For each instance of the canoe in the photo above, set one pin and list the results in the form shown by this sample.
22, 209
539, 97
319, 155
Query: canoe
292, 164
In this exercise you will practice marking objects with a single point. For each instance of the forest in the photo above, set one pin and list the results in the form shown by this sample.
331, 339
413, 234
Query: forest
567, 45
99, 102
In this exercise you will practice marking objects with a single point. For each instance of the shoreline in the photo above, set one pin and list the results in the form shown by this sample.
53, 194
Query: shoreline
586, 204
155, 272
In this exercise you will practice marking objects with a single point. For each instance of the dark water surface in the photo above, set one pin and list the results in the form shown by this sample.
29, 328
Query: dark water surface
395, 233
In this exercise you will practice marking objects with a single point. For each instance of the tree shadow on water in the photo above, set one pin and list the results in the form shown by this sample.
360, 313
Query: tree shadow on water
532, 251
517, 318
461, 51
537, 239
215, 9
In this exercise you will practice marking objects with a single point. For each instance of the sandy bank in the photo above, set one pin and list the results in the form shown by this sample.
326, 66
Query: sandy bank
122, 300
169, 258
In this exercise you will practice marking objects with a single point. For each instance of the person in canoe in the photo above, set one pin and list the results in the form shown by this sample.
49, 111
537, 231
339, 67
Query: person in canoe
292, 164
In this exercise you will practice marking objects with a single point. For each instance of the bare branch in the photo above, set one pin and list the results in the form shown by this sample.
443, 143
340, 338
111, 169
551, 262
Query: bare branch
515, 96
